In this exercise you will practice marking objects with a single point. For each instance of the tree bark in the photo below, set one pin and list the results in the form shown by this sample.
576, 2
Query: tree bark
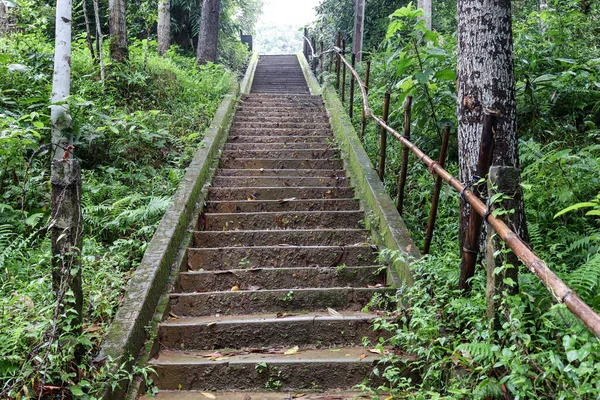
117, 25
65, 174
88, 34
164, 26
426, 5
99, 39
209, 31
3, 19
359, 21
485, 77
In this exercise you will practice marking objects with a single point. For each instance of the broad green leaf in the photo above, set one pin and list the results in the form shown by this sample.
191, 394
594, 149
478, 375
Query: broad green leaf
575, 207
446, 75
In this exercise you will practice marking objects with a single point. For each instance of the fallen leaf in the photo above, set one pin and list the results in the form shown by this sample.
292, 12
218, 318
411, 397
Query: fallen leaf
336, 350
212, 355
333, 313
363, 356
92, 328
286, 200
291, 351
284, 315
298, 395
262, 170
209, 395
172, 315
236, 288
375, 351
253, 287
211, 323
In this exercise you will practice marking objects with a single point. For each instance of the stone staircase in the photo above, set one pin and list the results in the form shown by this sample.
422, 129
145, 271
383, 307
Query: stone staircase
280, 266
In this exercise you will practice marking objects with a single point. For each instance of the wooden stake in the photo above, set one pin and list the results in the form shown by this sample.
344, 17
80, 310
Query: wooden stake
351, 111
436, 192
363, 125
404, 168
471, 242
383, 138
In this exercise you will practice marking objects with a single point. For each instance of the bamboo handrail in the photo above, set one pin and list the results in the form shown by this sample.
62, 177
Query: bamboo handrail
561, 292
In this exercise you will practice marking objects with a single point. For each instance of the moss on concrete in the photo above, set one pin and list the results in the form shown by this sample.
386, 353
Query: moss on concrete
313, 84
128, 332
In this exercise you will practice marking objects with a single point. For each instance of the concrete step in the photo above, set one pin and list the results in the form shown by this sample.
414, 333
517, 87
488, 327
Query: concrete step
278, 205
322, 130
279, 146
267, 330
237, 125
327, 139
271, 301
283, 220
198, 395
279, 181
287, 154
296, 237
279, 257
258, 163
279, 278
291, 113
283, 194
281, 172
306, 370
298, 118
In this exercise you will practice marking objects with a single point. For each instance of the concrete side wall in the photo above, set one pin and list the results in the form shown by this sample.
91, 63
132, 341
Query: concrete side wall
383, 217
129, 330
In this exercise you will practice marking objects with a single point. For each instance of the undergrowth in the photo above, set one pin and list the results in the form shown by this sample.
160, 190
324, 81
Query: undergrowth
134, 134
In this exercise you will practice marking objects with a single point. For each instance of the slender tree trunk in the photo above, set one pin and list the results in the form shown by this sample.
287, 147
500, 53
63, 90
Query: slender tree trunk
164, 26
65, 174
88, 34
359, 21
426, 5
3, 19
117, 24
99, 39
485, 77
209, 31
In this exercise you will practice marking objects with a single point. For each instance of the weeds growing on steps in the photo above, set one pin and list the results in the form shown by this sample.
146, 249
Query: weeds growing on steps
134, 134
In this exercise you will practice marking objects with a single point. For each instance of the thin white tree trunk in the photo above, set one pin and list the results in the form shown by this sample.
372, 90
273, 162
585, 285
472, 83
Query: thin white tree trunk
359, 21
427, 7
117, 24
209, 31
61, 82
164, 26
65, 176
100, 39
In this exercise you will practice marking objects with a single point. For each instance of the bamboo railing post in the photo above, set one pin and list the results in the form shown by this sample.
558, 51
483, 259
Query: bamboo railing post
471, 241
305, 47
338, 62
404, 168
383, 138
321, 62
314, 61
351, 111
343, 72
363, 125
436, 192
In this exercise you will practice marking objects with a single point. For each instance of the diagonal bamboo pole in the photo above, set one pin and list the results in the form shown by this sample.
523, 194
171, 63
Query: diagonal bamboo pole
559, 290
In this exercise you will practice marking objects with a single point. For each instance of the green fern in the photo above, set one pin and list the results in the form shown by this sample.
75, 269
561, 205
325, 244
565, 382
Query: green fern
585, 280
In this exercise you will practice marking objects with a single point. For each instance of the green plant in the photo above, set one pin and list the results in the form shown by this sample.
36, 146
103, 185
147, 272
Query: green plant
288, 297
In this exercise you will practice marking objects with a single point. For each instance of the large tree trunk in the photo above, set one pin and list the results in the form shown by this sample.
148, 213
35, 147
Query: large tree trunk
117, 25
209, 31
164, 26
359, 21
486, 81
427, 8
65, 174
3, 19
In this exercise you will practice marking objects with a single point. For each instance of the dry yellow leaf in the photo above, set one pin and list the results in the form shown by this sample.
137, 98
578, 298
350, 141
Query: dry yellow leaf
291, 351
209, 395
